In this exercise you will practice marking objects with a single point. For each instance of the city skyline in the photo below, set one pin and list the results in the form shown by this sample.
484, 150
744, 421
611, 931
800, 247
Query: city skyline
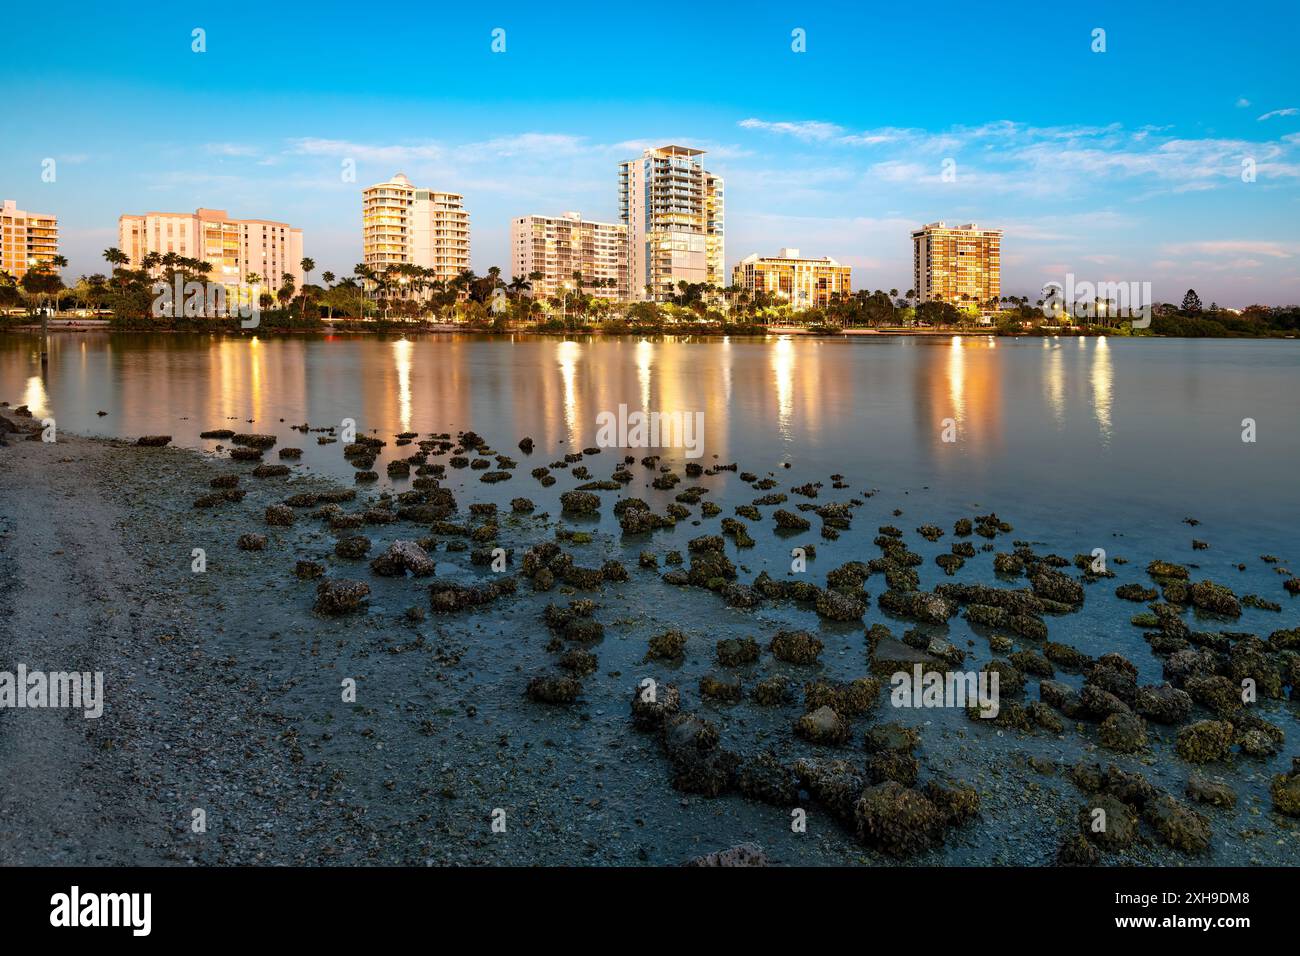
1088, 169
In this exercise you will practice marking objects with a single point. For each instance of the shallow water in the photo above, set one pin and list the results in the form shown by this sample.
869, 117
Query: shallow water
1079, 443
1098, 429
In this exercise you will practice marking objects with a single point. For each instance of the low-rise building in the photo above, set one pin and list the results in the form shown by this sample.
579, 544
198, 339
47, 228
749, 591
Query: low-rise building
234, 248
804, 283
557, 247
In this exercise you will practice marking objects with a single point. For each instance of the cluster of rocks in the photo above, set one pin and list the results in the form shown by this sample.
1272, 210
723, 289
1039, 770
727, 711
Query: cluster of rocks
1119, 800
1199, 702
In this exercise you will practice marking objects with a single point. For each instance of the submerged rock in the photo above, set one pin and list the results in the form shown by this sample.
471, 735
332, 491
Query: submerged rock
353, 547
251, 542
822, 726
309, 570
1114, 827
1212, 792
836, 784
279, 515
897, 819
1177, 824
579, 502
653, 704
401, 557
699, 764
1124, 733
1215, 598
1164, 704
1285, 790
554, 688
736, 651
668, 646
795, 647
1205, 741
743, 854
341, 596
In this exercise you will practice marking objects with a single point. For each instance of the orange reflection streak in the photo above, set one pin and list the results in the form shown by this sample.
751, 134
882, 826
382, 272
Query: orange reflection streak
957, 379
1054, 382
402, 360
783, 365
1102, 386
567, 355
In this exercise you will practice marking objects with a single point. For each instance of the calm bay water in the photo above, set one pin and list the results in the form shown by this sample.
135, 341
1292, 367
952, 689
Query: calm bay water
1110, 434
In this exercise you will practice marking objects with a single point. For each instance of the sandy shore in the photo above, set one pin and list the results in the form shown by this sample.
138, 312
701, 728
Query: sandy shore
93, 560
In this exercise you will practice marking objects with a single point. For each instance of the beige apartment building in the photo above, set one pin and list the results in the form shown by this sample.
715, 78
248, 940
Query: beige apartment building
235, 248
404, 225
961, 265
674, 211
804, 283
557, 247
28, 240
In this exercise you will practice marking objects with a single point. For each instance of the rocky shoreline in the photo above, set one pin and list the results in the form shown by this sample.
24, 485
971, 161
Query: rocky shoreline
498, 639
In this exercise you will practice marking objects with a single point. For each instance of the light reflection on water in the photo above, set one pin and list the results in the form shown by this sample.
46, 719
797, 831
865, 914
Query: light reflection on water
1101, 389
783, 365
1091, 429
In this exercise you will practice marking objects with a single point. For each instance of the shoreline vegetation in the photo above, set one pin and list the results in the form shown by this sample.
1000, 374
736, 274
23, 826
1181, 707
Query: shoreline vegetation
1073, 732
411, 299
1175, 326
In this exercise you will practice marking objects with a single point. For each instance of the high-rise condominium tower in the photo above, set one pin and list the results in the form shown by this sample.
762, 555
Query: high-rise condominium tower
673, 208
28, 240
958, 264
403, 225
235, 248
560, 246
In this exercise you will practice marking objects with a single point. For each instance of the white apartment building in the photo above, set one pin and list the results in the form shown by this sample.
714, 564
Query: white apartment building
405, 225
673, 208
557, 247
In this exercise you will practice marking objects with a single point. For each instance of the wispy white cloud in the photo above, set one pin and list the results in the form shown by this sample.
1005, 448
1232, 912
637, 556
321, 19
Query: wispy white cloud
1234, 247
806, 130
366, 152
239, 150
1273, 114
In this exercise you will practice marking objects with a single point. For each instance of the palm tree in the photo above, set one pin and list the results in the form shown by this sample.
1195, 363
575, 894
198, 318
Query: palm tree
307, 266
328, 277
284, 295
365, 274
119, 261
58, 262
254, 281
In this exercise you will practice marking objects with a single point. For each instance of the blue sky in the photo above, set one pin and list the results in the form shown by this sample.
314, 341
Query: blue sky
1124, 165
